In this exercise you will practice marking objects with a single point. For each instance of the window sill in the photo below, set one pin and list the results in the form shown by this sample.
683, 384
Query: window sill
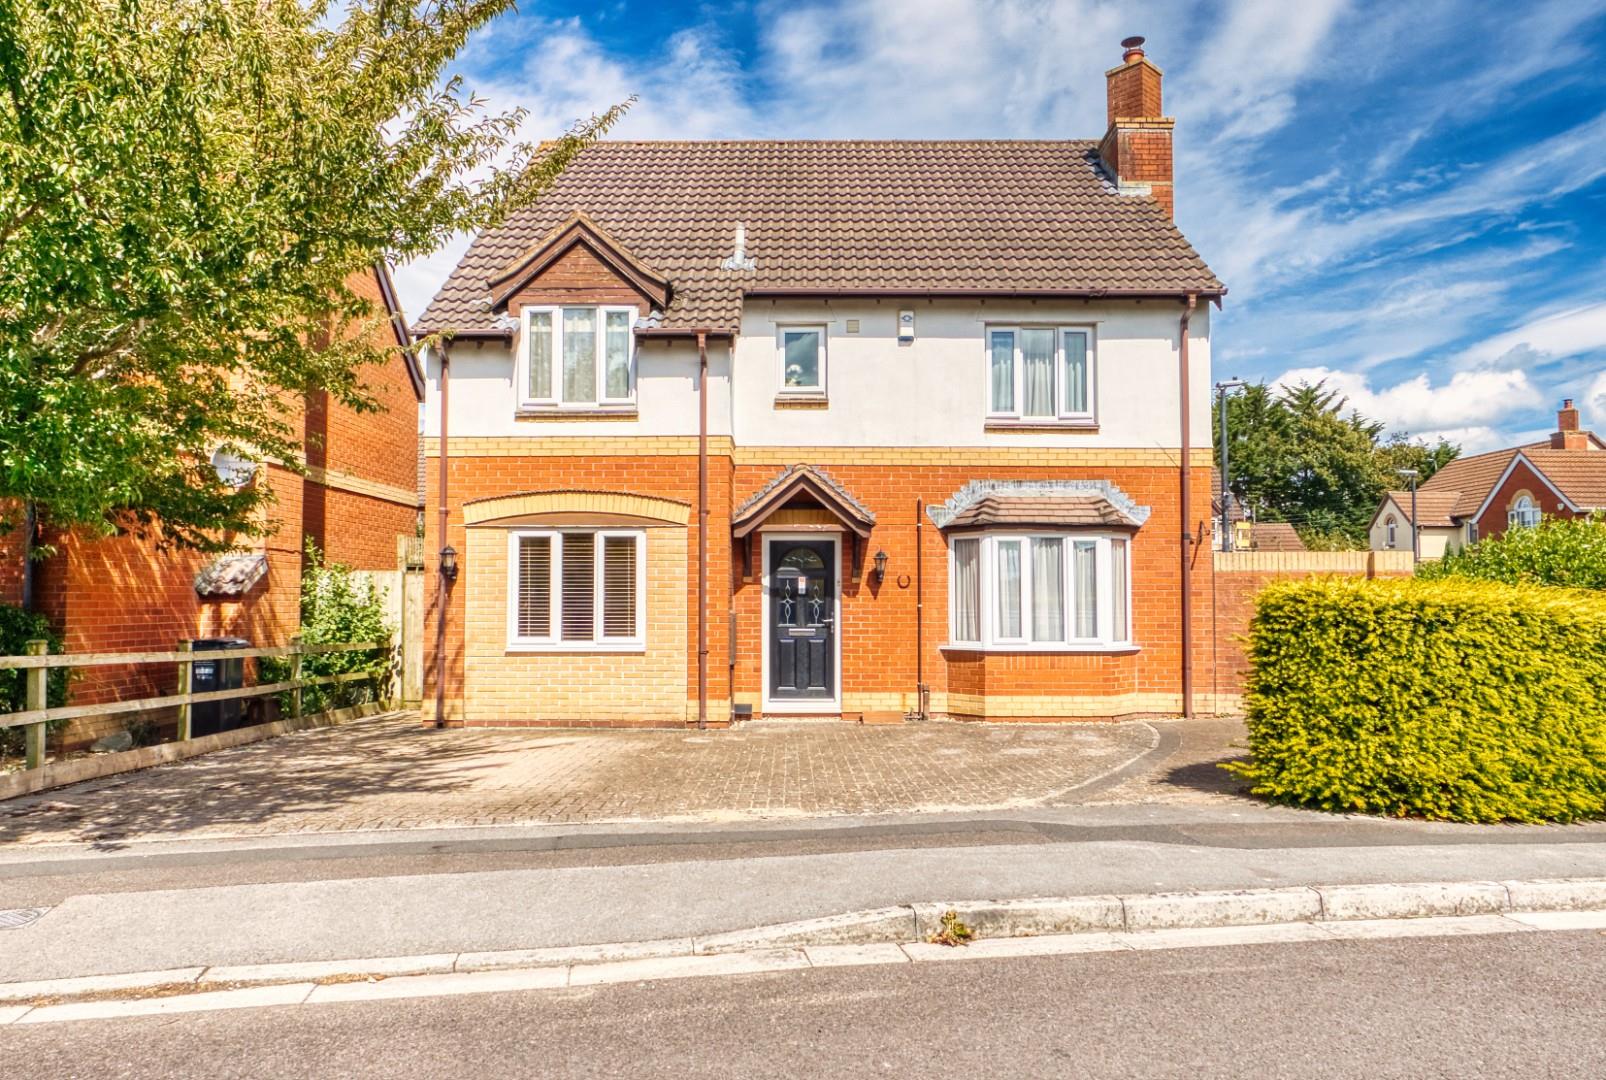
801, 400
571, 647
1027, 647
554, 412
1082, 427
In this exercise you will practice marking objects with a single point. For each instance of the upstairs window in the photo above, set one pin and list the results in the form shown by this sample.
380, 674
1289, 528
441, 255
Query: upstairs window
1524, 513
1040, 373
1039, 591
578, 357
576, 589
802, 359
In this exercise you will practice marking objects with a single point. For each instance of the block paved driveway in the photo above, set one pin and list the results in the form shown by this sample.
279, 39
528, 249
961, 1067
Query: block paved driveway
388, 772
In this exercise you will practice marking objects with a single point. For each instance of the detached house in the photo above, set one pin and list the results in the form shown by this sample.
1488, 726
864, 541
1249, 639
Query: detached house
861, 429
1483, 495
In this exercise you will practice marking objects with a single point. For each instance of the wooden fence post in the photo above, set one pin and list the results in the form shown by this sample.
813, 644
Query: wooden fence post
184, 710
295, 676
38, 681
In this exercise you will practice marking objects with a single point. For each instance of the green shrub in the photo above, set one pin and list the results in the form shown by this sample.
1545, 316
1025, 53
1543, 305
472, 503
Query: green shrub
1456, 700
338, 607
17, 628
1559, 551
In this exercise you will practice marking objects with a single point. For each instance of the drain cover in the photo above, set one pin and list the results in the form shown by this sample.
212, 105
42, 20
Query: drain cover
20, 917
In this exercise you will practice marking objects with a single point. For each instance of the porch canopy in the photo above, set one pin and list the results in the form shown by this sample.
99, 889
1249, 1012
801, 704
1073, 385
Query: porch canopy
805, 498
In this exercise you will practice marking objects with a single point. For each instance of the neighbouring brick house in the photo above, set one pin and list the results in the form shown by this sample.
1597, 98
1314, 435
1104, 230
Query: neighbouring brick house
849, 429
359, 494
1483, 495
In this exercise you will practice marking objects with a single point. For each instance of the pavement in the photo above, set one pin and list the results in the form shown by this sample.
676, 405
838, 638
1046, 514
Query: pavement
297, 850
1518, 1005
390, 773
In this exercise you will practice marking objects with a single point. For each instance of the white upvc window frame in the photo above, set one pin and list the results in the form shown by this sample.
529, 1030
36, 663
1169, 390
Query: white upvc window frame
781, 330
1524, 517
992, 639
552, 399
553, 640
1061, 414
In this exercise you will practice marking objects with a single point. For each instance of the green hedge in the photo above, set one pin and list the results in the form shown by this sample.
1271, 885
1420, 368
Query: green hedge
1457, 700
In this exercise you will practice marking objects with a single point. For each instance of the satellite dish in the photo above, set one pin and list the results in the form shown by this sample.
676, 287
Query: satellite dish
232, 469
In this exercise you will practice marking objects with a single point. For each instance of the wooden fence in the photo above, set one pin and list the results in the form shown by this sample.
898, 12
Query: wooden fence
38, 663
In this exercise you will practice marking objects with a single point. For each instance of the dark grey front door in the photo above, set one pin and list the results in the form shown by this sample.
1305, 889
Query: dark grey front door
802, 614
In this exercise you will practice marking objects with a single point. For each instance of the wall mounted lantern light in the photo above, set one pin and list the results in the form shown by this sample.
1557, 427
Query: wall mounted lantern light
449, 563
880, 566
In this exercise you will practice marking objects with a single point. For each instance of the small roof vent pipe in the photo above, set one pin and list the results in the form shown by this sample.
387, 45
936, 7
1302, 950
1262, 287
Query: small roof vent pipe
738, 259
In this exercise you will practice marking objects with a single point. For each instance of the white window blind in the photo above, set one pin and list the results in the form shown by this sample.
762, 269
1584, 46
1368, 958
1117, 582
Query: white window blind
967, 590
576, 588
619, 587
534, 602
540, 348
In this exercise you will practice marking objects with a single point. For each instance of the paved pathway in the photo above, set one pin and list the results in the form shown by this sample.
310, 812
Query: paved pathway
390, 773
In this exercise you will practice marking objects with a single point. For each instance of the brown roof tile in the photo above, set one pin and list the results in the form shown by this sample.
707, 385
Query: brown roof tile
1054, 510
1578, 474
1433, 507
916, 216
1275, 536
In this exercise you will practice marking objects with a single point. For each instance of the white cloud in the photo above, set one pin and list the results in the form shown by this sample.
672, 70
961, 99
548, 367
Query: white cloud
1470, 400
1594, 402
1565, 333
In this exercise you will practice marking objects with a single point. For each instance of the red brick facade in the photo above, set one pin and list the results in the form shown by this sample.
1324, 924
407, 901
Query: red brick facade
126, 594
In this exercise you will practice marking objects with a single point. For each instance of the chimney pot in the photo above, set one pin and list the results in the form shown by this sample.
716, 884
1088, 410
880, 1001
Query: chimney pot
1133, 47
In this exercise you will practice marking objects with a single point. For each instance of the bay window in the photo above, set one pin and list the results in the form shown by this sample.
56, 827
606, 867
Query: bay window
1040, 373
1040, 591
576, 589
577, 357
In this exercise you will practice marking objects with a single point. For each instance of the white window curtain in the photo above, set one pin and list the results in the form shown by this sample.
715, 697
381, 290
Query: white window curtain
1085, 575
579, 355
1048, 590
967, 590
540, 346
1076, 372
1118, 591
1037, 372
1009, 589
1002, 370
616, 360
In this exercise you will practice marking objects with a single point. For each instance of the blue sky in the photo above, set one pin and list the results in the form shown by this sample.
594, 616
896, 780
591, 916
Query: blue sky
1408, 199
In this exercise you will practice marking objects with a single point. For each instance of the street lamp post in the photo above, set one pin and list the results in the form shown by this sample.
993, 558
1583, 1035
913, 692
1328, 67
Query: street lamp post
1222, 389
1416, 542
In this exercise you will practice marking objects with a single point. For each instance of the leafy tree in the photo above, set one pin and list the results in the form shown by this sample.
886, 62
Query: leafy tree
1302, 455
17, 628
185, 188
339, 606
1569, 552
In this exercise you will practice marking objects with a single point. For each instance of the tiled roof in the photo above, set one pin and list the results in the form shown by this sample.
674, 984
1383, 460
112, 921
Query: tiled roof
788, 483
1038, 502
1433, 507
915, 216
1471, 478
1578, 474
1275, 536
1059, 510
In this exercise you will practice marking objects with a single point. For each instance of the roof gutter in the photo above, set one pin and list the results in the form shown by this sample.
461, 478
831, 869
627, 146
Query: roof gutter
1191, 296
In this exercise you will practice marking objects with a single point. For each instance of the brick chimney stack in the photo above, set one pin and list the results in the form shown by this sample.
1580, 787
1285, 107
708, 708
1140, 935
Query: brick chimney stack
1567, 436
1136, 150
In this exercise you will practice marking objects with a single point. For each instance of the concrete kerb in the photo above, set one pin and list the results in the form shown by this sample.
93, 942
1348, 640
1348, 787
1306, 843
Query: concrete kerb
1287, 913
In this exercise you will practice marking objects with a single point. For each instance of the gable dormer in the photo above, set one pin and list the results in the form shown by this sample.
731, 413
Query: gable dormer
578, 263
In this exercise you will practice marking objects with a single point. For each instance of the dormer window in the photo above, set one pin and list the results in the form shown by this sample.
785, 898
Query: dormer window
577, 358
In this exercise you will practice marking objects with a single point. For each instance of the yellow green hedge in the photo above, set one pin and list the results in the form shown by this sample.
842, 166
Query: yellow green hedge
1455, 699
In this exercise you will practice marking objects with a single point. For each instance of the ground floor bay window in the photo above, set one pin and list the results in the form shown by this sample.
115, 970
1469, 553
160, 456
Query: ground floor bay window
1040, 591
